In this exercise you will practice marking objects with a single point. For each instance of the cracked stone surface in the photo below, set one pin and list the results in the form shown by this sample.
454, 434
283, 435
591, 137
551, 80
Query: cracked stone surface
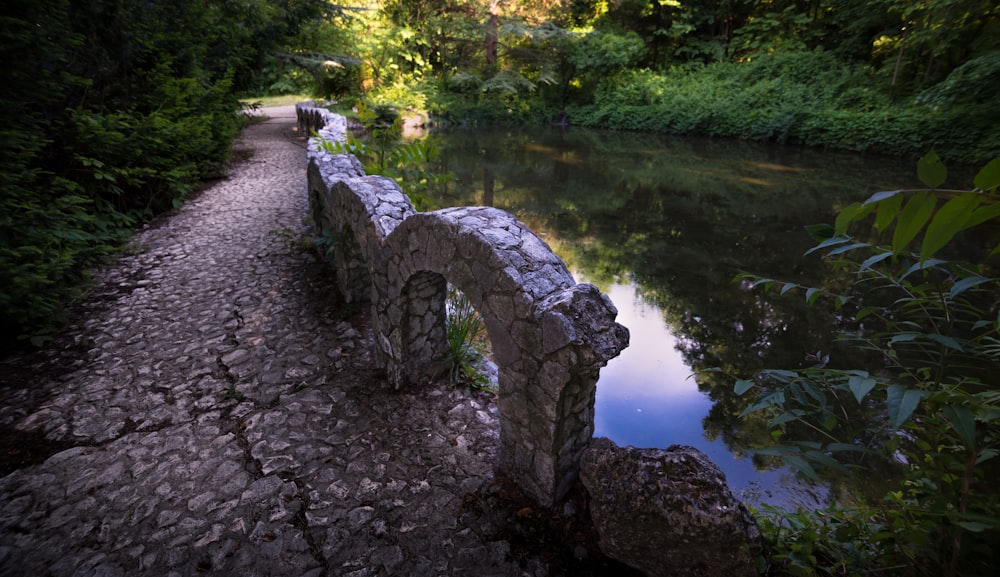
214, 410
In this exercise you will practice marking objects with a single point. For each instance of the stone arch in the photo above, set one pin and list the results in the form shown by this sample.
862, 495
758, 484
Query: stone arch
548, 366
550, 336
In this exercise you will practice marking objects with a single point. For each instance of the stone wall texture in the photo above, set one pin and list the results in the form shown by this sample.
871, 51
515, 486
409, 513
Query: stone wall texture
550, 335
668, 512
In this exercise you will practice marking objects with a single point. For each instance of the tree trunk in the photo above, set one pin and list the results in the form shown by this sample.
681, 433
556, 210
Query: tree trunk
492, 34
899, 62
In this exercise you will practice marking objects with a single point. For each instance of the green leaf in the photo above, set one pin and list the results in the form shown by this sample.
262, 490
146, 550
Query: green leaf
963, 421
845, 447
828, 242
866, 312
912, 219
850, 247
819, 232
974, 526
787, 287
905, 337
873, 260
989, 176
887, 211
986, 455
781, 375
947, 341
983, 214
861, 386
965, 284
950, 219
825, 460
900, 403
812, 294
921, 265
743, 386
802, 466
782, 419
880, 196
850, 214
931, 171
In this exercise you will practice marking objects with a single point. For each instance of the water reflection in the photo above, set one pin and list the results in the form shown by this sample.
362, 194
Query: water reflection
663, 225
647, 398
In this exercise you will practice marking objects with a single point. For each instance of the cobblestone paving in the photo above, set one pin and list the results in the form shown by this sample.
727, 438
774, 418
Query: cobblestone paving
214, 411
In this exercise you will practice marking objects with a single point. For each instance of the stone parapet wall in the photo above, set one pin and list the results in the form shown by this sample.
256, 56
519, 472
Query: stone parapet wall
550, 335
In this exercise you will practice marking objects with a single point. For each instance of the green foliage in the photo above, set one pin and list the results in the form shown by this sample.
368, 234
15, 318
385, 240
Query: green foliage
466, 341
111, 112
796, 97
605, 52
333, 75
385, 153
934, 407
975, 82
824, 73
836, 541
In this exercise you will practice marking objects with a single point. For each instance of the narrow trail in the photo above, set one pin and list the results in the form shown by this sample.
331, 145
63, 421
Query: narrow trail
214, 411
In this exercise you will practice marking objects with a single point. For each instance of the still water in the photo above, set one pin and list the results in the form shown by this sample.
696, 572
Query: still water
663, 225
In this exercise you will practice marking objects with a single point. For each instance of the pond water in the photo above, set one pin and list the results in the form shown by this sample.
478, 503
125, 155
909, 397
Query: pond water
663, 225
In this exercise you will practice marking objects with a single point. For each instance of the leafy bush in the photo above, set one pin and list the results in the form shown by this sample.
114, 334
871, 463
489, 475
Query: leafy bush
796, 97
110, 112
975, 82
932, 409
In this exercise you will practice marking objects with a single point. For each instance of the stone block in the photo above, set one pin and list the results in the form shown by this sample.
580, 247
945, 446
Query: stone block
668, 512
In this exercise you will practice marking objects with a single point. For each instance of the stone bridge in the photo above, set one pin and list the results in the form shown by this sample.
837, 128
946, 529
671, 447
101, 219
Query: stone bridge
550, 335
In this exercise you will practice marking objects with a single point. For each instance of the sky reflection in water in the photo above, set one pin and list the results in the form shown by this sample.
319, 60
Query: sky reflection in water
647, 398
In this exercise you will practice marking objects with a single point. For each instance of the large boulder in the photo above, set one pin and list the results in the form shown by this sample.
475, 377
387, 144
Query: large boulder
668, 512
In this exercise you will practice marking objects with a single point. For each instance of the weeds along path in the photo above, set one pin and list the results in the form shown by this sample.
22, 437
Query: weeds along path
213, 410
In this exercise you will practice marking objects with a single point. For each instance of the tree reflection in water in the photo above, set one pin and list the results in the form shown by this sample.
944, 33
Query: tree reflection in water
664, 225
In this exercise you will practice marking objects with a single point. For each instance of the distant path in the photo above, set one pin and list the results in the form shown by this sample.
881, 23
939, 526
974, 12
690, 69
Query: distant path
213, 411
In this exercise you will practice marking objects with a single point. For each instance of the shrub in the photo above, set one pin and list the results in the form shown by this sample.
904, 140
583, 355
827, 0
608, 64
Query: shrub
799, 97
933, 409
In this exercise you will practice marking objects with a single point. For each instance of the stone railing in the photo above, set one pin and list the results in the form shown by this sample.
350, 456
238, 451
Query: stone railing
550, 335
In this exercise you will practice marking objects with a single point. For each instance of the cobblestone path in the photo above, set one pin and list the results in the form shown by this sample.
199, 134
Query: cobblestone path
214, 411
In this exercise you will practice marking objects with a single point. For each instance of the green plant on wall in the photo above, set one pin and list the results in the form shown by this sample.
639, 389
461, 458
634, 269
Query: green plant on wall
932, 408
